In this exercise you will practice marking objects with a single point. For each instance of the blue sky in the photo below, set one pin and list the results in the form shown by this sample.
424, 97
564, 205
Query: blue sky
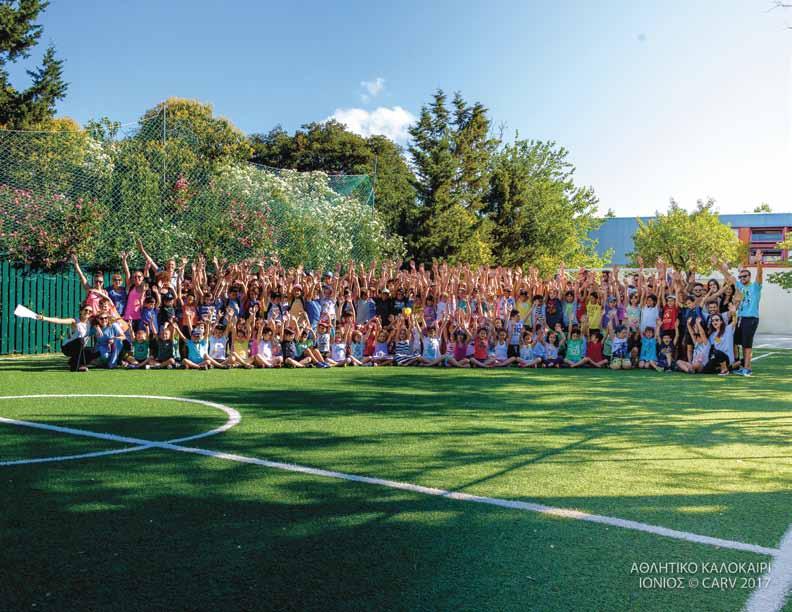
653, 100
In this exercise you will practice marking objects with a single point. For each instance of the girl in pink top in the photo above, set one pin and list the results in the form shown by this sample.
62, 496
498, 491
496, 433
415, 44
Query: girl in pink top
93, 293
136, 292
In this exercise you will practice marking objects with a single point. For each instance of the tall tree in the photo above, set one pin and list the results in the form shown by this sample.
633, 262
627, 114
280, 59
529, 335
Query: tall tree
539, 216
451, 153
688, 241
18, 35
194, 123
330, 147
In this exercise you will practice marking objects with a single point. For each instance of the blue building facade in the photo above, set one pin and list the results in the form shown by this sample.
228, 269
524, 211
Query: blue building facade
760, 231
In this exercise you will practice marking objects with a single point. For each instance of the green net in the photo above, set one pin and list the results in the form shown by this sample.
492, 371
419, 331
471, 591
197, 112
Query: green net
180, 186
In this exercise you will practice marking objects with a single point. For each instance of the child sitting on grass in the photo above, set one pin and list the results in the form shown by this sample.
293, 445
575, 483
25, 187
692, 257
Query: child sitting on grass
140, 356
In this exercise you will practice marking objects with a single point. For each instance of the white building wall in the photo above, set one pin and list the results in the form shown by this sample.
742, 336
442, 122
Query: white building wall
775, 309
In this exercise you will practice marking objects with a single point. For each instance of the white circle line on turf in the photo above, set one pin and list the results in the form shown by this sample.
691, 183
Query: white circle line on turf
140, 444
404, 486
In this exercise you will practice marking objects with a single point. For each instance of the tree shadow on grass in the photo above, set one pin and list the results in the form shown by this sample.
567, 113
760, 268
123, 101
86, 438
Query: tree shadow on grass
502, 437
161, 530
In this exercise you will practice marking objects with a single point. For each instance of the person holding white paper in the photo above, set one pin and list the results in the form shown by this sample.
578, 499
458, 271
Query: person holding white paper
74, 346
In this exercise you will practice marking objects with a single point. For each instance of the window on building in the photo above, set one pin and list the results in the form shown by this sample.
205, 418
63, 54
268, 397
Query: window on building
767, 235
769, 256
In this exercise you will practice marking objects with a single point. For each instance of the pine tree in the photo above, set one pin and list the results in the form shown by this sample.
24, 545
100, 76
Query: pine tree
451, 154
18, 35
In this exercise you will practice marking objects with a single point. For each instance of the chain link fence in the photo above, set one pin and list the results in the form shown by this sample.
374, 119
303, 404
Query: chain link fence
182, 191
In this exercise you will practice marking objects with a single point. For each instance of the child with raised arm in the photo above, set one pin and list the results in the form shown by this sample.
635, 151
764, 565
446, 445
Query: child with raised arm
357, 345
666, 352
166, 347
649, 309
241, 332
458, 343
701, 348
620, 352
382, 354
526, 357
265, 355
197, 348
550, 345
403, 355
500, 351
219, 353
576, 347
648, 355
430, 344
338, 349
514, 328
140, 357
481, 349
595, 356
291, 358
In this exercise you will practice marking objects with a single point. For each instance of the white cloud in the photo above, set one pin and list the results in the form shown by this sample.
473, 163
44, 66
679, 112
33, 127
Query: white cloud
372, 88
391, 122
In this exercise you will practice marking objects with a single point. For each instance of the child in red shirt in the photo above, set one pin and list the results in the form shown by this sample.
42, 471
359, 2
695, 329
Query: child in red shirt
594, 350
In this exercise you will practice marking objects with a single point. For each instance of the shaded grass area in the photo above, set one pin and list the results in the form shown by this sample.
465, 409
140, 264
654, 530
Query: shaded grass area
701, 454
147, 532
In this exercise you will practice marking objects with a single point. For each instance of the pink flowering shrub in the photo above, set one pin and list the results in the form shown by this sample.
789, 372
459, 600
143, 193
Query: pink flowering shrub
181, 191
43, 230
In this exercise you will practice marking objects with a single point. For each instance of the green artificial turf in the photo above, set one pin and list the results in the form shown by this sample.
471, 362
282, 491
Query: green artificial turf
156, 529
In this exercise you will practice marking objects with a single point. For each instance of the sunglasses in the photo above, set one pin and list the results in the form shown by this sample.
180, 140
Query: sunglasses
86, 310
744, 276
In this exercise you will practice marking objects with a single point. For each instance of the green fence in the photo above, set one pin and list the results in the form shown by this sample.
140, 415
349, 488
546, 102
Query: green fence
55, 295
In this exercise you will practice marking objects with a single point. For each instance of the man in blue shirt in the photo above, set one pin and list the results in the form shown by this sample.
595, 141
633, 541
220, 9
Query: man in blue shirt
748, 311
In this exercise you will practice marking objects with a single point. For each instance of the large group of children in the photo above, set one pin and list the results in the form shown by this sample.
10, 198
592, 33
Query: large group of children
256, 315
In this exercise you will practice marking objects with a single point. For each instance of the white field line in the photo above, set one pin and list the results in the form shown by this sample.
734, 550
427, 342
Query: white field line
233, 419
762, 356
413, 488
775, 585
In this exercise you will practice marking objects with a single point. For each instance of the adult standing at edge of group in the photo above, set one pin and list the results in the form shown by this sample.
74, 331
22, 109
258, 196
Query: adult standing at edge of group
748, 310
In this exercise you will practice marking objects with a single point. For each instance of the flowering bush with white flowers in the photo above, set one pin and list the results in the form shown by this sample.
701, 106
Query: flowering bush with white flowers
310, 222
